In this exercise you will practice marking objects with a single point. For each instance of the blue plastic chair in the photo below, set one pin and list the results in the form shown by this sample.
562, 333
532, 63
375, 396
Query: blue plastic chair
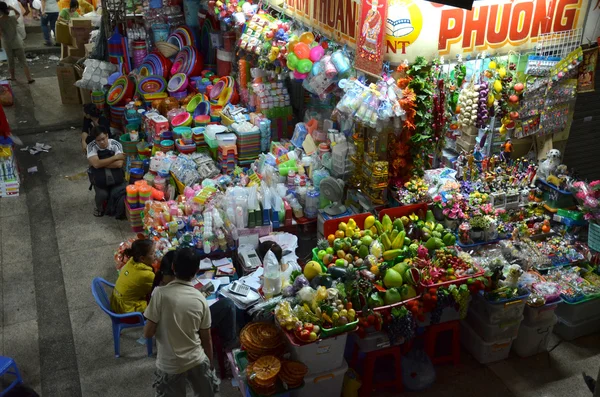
101, 297
8, 366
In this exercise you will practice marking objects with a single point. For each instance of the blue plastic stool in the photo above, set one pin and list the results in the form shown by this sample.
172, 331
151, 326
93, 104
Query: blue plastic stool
117, 319
8, 366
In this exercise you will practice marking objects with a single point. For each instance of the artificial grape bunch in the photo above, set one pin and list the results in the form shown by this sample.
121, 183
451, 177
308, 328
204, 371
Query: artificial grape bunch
444, 299
401, 326
461, 296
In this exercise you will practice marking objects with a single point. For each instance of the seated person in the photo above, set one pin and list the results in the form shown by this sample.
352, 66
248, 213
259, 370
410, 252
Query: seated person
135, 279
92, 117
222, 312
66, 14
106, 160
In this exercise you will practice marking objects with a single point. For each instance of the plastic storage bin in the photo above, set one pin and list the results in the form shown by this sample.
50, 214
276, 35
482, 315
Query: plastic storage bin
327, 383
537, 315
484, 352
498, 312
320, 356
578, 312
373, 341
534, 339
448, 314
492, 332
570, 331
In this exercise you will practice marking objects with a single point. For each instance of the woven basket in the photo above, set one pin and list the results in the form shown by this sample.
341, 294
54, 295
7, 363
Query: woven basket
167, 49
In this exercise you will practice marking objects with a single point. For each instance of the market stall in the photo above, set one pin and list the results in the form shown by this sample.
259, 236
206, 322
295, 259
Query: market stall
426, 191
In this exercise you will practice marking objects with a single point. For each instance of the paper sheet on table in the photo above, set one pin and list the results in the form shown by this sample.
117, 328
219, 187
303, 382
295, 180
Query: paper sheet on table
203, 281
287, 241
222, 280
253, 280
225, 270
222, 262
206, 264
211, 302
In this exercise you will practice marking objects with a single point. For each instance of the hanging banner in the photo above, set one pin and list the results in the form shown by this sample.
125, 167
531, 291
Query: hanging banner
587, 71
420, 27
369, 51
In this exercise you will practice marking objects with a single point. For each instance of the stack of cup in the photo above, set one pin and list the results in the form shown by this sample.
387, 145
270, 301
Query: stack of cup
132, 195
145, 191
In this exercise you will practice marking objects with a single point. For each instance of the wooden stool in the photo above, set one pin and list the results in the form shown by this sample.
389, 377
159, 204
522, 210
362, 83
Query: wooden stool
368, 384
431, 338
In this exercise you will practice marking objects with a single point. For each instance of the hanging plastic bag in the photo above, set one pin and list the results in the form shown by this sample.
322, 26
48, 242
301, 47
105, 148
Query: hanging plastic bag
6, 94
418, 372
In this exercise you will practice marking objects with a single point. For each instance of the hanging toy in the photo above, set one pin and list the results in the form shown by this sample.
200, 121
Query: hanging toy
316, 53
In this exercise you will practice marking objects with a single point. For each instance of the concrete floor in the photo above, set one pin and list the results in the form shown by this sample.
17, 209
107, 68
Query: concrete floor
52, 247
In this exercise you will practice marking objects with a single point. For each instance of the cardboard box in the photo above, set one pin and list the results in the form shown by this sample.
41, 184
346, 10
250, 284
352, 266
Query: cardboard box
88, 49
81, 22
86, 95
67, 76
76, 52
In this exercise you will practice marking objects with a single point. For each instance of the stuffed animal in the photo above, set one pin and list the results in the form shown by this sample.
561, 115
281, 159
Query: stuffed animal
548, 167
512, 273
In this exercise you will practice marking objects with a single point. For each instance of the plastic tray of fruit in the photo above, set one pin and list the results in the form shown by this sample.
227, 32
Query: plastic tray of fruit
393, 305
329, 332
434, 276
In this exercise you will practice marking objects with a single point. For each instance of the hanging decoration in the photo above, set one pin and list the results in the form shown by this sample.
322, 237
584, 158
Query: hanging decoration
587, 71
369, 52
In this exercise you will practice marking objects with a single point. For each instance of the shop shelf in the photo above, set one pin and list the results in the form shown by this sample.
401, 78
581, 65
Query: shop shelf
484, 352
534, 339
571, 330
493, 332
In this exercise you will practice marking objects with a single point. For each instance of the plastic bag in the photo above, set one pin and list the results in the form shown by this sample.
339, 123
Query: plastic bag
6, 95
37, 4
418, 372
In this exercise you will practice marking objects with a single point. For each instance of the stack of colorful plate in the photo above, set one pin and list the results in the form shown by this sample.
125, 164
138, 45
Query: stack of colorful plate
152, 85
121, 91
248, 144
198, 136
155, 63
140, 51
117, 115
178, 85
188, 61
98, 99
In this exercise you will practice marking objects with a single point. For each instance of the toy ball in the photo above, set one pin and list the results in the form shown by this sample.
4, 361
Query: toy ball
300, 76
292, 43
307, 37
292, 60
317, 68
304, 65
302, 50
316, 53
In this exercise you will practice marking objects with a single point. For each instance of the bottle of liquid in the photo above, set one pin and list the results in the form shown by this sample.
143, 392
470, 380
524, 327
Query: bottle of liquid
272, 278
312, 203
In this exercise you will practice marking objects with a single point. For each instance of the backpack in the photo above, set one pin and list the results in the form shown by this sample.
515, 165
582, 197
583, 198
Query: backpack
105, 177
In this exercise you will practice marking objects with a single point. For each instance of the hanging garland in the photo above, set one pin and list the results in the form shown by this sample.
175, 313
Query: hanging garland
422, 141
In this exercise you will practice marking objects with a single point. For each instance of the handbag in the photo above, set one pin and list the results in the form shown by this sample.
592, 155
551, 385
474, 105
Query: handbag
63, 34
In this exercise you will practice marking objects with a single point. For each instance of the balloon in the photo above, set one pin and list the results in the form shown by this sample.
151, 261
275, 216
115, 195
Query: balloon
304, 65
292, 43
301, 50
316, 53
292, 61
300, 76
307, 37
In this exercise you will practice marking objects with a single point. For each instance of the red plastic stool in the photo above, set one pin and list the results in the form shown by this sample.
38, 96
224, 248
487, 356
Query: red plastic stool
368, 385
431, 338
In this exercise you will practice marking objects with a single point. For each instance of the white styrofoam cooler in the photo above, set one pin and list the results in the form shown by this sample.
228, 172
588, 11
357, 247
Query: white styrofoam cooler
323, 355
493, 332
484, 352
534, 338
570, 331
327, 384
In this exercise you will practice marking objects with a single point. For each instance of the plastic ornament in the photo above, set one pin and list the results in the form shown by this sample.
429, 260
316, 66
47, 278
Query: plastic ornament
302, 50
492, 65
497, 86
316, 53
292, 61
502, 72
304, 65
300, 76
307, 37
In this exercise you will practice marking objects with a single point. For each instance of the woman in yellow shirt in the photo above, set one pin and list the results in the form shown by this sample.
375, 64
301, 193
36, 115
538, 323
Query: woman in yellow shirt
135, 279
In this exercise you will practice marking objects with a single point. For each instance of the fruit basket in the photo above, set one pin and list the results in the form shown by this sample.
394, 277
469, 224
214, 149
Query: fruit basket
449, 266
328, 332
279, 387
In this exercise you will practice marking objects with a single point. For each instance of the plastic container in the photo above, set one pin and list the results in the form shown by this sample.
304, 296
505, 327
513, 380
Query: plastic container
580, 311
373, 341
569, 331
484, 352
534, 339
537, 315
326, 383
493, 332
501, 311
320, 356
